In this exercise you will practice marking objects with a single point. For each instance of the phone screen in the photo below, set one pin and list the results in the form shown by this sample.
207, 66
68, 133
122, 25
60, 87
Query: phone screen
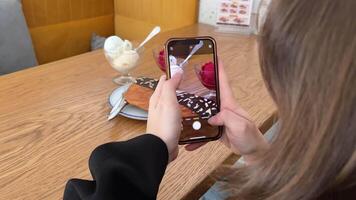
198, 93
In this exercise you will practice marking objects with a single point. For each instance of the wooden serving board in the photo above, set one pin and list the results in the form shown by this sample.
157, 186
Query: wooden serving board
140, 97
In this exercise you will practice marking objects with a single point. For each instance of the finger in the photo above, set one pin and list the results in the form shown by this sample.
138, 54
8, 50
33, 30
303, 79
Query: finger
176, 69
226, 95
218, 119
175, 80
195, 146
169, 89
239, 111
224, 85
226, 115
157, 93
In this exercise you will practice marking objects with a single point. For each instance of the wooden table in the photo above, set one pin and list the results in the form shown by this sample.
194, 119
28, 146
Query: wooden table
54, 115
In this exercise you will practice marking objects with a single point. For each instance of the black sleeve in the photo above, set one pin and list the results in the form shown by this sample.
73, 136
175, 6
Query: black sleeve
123, 170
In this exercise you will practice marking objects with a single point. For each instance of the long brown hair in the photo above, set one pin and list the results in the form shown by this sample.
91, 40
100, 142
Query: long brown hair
307, 56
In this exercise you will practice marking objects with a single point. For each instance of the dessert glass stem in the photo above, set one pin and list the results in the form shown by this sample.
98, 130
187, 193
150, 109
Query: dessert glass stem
124, 79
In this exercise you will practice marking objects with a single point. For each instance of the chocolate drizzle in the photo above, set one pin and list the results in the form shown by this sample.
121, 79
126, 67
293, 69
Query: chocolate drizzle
147, 82
205, 108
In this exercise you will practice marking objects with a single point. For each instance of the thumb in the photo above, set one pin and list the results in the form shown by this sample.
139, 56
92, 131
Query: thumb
170, 87
176, 79
218, 119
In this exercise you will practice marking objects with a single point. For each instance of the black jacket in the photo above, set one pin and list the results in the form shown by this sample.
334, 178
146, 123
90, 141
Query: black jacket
123, 170
133, 170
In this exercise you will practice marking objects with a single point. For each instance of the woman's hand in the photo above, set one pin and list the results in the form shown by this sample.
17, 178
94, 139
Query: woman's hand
164, 115
240, 134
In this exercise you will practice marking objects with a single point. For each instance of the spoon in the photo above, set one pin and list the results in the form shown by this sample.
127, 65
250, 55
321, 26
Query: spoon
194, 50
153, 33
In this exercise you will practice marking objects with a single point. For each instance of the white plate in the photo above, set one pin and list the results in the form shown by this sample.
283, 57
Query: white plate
128, 111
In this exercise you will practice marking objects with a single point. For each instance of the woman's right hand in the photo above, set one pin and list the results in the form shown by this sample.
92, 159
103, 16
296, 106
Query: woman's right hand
240, 134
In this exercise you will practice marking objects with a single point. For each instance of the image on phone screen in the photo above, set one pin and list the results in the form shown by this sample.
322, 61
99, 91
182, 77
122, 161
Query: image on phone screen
198, 91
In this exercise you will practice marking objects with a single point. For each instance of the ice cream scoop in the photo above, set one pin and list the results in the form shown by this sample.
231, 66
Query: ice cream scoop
112, 46
174, 67
126, 61
123, 57
127, 45
120, 54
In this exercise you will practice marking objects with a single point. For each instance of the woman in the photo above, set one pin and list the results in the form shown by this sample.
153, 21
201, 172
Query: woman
308, 56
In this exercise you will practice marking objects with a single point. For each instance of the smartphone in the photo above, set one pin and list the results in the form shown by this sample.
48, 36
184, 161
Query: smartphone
198, 93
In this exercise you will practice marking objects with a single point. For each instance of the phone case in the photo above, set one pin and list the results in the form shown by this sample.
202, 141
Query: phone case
220, 129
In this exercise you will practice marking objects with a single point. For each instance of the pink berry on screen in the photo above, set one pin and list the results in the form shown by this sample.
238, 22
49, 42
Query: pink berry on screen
207, 74
209, 66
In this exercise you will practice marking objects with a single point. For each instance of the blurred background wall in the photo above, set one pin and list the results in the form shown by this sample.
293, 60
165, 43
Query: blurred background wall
63, 28
135, 18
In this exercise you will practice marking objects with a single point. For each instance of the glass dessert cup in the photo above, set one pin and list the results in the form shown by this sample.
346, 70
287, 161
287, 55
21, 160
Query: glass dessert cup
124, 63
206, 74
160, 58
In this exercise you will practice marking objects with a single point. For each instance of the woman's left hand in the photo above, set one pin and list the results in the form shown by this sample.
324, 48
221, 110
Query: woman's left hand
164, 114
